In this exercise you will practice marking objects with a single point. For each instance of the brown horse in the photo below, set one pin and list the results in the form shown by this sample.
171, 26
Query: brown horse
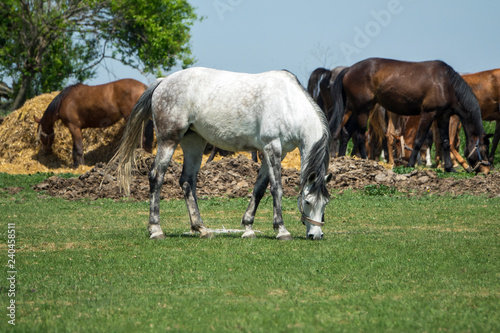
486, 87
80, 106
399, 133
431, 89
319, 87
319, 84
406, 140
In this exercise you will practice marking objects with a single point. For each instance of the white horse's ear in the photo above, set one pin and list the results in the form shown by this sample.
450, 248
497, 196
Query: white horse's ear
312, 178
328, 178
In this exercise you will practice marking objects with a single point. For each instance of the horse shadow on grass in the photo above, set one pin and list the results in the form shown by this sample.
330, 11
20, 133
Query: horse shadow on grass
234, 235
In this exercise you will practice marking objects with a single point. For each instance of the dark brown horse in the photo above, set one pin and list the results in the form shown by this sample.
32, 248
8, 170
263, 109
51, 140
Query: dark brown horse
319, 84
486, 87
431, 89
319, 87
80, 106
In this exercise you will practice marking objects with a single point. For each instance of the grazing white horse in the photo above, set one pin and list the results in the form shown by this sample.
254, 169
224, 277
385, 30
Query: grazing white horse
269, 112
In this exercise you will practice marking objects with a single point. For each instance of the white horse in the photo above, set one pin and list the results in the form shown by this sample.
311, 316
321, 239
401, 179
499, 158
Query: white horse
269, 112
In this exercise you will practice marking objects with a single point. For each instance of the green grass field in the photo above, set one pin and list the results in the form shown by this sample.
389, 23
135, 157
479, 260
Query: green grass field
387, 263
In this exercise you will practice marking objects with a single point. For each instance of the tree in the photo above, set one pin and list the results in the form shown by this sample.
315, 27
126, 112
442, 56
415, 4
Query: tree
44, 43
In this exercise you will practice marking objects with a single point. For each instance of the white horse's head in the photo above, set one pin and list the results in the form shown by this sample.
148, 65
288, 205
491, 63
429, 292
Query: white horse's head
312, 201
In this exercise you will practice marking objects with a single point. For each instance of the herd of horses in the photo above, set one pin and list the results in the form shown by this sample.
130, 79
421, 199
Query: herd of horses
394, 103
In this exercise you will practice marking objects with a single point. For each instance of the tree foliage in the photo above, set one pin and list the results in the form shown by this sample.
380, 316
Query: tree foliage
44, 43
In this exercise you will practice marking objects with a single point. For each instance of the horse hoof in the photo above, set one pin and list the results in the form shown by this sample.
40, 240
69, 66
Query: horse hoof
157, 235
206, 234
248, 234
285, 237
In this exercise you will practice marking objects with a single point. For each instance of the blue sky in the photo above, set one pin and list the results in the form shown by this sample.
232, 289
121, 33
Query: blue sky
260, 35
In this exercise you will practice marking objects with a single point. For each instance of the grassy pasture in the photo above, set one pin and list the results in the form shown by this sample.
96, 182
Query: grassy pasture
388, 263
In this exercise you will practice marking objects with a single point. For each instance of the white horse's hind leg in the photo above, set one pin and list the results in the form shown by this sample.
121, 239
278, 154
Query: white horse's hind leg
156, 175
192, 146
272, 156
194, 213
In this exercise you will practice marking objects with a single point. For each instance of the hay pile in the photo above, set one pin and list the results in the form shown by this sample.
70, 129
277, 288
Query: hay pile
20, 152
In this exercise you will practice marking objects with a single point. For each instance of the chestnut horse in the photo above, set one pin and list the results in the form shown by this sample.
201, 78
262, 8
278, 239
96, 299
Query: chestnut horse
399, 133
431, 89
406, 140
486, 87
80, 106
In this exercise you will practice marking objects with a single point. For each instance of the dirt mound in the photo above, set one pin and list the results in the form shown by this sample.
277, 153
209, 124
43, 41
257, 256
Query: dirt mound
226, 177
235, 176
229, 177
357, 174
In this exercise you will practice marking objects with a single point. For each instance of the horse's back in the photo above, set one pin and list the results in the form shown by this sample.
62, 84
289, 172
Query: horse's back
209, 90
401, 86
126, 93
486, 87
100, 105
230, 110
380, 71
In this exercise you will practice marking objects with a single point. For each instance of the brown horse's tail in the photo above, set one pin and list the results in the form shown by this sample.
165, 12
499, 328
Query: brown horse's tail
378, 124
125, 156
339, 105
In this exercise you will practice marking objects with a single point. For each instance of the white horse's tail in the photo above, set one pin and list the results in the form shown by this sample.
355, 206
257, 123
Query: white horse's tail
125, 156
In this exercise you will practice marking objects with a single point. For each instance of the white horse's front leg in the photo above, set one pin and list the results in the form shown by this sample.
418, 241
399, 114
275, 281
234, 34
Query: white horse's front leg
283, 234
272, 155
258, 192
